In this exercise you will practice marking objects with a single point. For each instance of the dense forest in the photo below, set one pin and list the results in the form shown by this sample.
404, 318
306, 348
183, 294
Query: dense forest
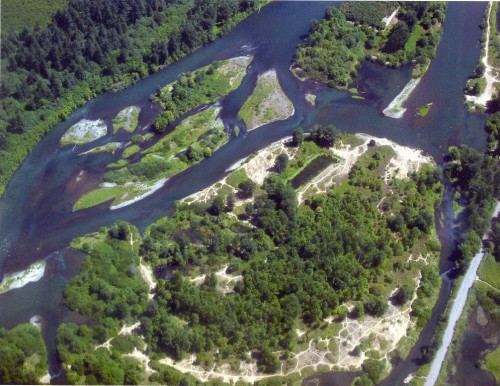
23, 357
89, 47
299, 264
347, 35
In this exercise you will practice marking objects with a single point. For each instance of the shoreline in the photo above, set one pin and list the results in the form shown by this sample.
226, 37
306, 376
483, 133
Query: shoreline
156, 186
19, 279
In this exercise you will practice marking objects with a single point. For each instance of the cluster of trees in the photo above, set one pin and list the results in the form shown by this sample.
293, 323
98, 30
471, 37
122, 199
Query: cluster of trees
476, 177
493, 130
296, 263
334, 48
88, 47
23, 357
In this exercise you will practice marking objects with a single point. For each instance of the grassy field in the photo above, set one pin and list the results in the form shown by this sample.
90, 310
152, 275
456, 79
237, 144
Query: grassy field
493, 363
130, 151
97, 197
489, 271
268, 103
17, 14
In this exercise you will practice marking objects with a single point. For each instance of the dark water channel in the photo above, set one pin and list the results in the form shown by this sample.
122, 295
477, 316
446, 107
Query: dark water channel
35, 212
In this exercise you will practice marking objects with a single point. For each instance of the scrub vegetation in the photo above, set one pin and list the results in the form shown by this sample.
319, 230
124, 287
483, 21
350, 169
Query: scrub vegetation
268, 103
347, 35
286, 266
126, 119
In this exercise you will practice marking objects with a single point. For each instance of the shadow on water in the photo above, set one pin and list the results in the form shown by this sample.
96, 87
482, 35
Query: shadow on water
35, 211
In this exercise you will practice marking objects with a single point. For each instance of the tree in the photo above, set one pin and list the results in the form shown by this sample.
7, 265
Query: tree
217, 206
230, 200
163, 120
297, 137
281, 163
397, 38
247, 188
404, 294
325, 136
375, 306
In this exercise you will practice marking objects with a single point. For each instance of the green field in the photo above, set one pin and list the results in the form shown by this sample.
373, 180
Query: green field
17, 14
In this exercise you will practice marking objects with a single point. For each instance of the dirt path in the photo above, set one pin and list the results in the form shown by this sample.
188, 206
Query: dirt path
491, 74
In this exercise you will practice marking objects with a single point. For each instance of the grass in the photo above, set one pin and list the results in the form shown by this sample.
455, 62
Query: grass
97, 197
411, 43
17, 14
311, 98
105, 148
118, 164
130, 151
489, 271
423, 110
492, 363
127, 119
268, 103
236, 177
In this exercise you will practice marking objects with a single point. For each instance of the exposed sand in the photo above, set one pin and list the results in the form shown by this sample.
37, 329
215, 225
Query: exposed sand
45, 380
225, 281
405, 161
36, 320
112, 146
19, 279
150, 189
391, 19
274, 106
143, 358
84, 131
236, 65
395, 108
147, 275
491, 74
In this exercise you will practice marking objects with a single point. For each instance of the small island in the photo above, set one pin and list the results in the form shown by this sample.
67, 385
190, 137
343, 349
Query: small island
126, 119
84, 131
268, 103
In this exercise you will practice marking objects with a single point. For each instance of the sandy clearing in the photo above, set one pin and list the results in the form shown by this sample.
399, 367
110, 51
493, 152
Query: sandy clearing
147, 275
226, 281
405, 161
19, 279
391, 19
143, 358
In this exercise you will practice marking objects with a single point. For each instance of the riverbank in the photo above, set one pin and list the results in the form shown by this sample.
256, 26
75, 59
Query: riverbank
456, 312
19, 279
491, 75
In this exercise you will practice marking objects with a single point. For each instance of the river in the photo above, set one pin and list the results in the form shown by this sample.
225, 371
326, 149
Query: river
35, 212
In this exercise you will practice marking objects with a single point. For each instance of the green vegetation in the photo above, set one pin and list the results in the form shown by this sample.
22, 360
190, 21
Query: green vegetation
335, 48
192, 140
84, 131
23, 355
298, 264
109, 147
200, 87
423, 110
493, 130
493, 363
48, 72
268, 103
130, 151
20, 14
126, 119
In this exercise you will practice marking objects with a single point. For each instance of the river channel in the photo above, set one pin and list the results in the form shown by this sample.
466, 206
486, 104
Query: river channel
36, 221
